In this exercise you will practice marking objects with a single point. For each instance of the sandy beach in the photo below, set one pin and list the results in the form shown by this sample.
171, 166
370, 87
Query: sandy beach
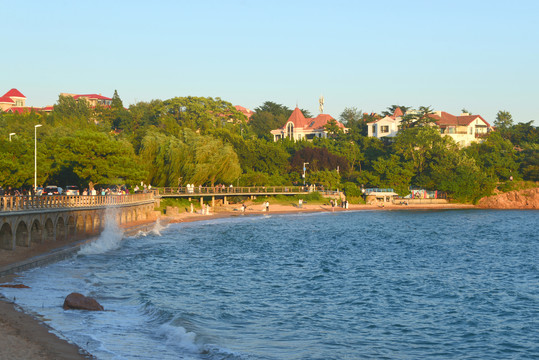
24, 336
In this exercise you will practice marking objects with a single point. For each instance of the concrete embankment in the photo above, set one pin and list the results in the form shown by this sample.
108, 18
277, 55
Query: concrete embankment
67, 251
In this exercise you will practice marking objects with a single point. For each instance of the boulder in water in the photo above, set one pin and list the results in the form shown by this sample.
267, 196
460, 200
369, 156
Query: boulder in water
76, 301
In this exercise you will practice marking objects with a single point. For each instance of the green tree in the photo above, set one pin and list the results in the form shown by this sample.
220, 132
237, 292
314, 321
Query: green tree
394, 173
504, 120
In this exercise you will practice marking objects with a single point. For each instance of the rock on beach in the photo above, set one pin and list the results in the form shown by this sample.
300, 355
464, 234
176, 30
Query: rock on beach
76, 301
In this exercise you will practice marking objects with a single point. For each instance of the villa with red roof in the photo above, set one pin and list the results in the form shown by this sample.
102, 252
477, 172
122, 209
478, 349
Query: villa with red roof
92, 99
15, 102
387, 127
298, 127
247, 112
13, 98
464, 128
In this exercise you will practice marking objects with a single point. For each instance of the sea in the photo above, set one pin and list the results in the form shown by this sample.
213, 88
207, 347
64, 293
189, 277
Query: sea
454, 284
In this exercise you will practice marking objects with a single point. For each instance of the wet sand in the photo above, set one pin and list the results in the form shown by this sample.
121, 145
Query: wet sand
23, 336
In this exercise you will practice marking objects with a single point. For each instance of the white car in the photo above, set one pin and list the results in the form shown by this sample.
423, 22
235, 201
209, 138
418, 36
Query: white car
72, 190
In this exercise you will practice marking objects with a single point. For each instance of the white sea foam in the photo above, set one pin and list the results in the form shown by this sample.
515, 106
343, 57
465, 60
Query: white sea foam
109, 239
178, 336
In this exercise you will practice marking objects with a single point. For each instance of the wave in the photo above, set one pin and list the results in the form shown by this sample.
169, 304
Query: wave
109, 239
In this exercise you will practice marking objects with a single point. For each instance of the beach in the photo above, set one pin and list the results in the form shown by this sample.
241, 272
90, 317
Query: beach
25, 336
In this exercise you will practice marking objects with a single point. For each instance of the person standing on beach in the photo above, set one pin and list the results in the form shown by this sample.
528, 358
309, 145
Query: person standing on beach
267, 206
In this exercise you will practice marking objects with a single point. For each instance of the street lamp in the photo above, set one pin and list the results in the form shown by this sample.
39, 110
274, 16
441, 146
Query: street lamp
304, 168
35, 155
10, 135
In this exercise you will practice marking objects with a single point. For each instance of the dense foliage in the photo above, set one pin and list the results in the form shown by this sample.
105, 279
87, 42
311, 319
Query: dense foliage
206, 141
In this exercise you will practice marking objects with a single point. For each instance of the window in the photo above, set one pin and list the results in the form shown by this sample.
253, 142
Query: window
373, 129
471, 131
384, 129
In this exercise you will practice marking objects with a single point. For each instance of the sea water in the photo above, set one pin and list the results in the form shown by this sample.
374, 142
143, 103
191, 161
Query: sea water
349, 285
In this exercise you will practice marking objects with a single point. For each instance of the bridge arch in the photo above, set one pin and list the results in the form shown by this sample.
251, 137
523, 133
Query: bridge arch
71, 227
36, 232
21, 235
88, 224
6, 237
61, 233
49, 230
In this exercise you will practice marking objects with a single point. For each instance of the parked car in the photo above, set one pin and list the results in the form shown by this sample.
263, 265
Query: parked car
72, 190
52, 190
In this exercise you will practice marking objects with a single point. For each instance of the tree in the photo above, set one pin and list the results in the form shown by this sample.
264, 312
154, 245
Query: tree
391, 110
418, 118
85, 156
350, 115
332, 128
504, 120
394, 173
496, 156
116, 101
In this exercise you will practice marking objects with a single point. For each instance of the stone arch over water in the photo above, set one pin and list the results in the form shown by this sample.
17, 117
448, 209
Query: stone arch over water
36, 232
21, 235
6, 237
60, 229
71, 227
49, 230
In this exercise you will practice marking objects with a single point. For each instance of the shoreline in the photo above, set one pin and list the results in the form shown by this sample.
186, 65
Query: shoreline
26, 336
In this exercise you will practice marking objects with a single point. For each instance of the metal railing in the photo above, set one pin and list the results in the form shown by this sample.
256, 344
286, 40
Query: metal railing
28, 203
240, 190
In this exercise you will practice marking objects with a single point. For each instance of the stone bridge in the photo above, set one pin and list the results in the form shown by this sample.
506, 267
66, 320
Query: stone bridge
26, 220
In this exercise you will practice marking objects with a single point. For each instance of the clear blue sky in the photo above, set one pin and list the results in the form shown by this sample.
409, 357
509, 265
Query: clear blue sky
478, 55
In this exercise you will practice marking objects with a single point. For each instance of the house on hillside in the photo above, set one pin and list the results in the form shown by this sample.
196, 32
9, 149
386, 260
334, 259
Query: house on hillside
92, 99
13, 98
298, 127
464, 128
247, 112
386, 127
15, 102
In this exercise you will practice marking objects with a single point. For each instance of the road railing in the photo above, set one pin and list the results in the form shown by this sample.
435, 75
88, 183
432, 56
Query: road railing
237, 190
29, 202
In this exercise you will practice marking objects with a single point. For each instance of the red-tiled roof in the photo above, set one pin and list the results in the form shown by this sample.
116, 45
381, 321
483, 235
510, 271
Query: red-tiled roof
14, 93
6, 99
22, 109
318, 122
397, 112
447, 119
92, 96
297, 118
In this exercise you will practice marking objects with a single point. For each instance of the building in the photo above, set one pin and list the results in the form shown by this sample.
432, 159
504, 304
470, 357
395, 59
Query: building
386, 127
92, 99
464, 128
247, 112
298, 127
15, 102
13, 98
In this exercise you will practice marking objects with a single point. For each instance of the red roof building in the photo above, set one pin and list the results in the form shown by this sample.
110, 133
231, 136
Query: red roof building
298, 127
12, 98
92, 99
247, 112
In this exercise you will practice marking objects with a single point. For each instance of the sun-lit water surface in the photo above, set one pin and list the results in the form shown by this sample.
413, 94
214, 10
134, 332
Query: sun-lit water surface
355, 285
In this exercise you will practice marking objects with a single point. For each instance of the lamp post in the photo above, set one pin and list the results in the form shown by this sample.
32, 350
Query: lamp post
304, 168
35, 155
10, 135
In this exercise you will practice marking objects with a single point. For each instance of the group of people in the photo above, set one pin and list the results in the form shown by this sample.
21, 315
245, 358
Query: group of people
14, 192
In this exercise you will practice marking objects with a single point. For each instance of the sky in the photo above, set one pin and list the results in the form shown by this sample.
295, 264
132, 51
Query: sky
479, 55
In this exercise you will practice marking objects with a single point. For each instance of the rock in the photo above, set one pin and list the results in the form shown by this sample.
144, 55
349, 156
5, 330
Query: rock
15, 286
518, 199
76, 301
